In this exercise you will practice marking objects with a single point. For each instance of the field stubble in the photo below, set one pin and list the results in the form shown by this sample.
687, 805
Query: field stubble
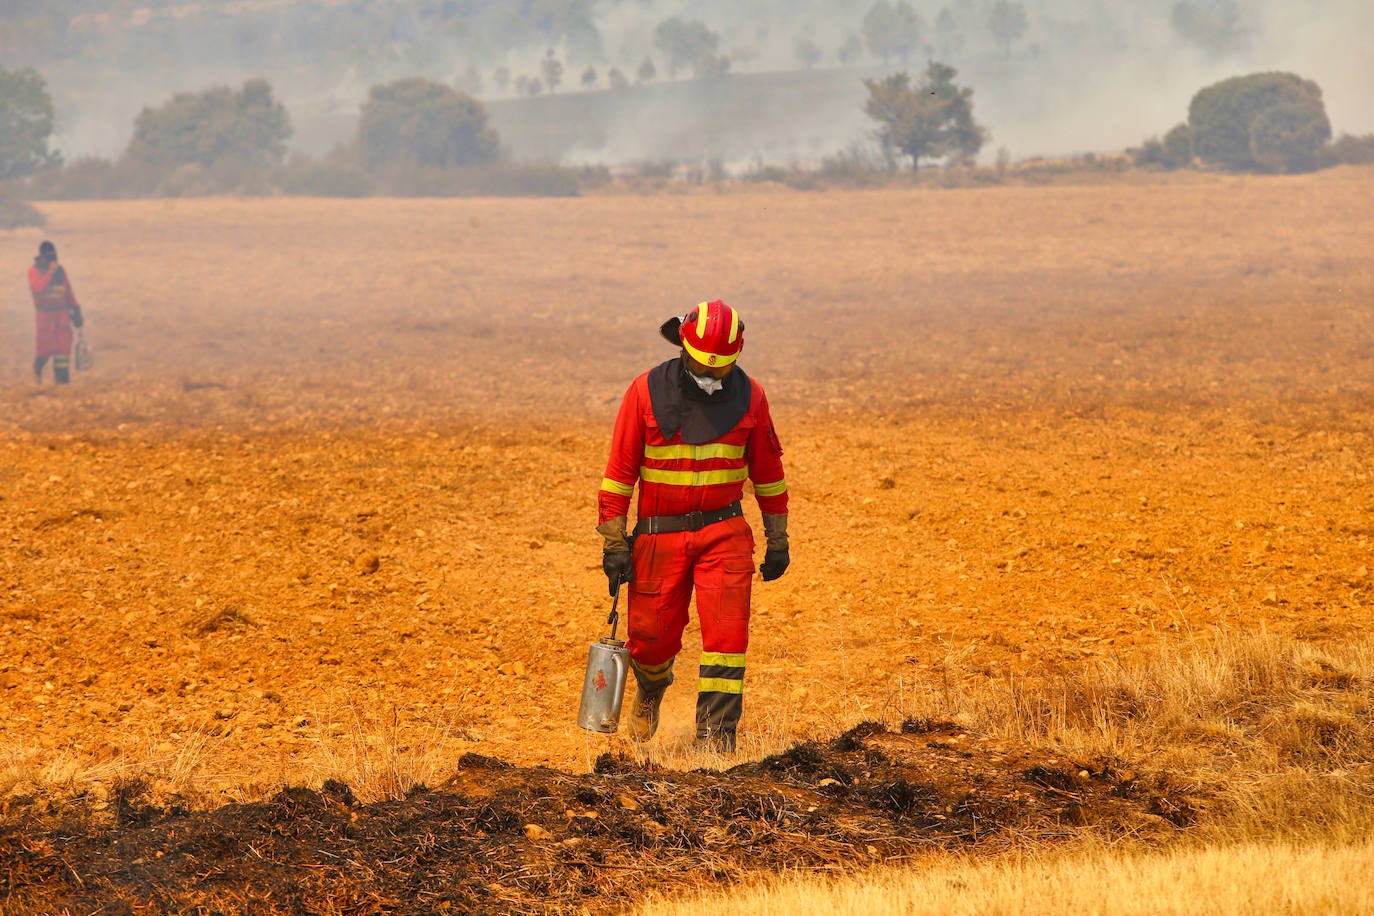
323, 508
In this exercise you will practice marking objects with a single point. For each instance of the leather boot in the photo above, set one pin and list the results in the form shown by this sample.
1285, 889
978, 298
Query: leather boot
651, 682
720, 741
643, 720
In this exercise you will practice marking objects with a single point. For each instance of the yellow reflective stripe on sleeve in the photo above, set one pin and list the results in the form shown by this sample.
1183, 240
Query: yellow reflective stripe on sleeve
719, 685
615, 486
728, 659
694, 478
694, 452
771, 489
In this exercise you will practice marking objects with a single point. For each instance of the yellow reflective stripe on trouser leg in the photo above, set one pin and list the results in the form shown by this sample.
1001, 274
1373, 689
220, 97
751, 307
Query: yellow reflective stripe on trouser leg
720, 695
721, 672
653, 675
729, 659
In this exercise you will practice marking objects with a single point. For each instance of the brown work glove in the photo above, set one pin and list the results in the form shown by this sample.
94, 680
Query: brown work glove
616, 559
776, 557
613, 531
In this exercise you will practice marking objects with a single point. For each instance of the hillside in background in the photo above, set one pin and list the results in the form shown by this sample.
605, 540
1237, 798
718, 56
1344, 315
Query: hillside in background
774, 117
1080, 78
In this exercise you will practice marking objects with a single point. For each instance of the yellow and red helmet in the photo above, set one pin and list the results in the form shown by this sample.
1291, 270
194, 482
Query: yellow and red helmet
712, 333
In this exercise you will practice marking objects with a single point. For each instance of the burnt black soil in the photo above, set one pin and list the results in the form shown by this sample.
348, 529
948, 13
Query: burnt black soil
497, 838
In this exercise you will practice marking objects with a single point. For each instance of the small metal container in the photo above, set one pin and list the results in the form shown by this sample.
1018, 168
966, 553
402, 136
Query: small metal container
603, 687
83, 353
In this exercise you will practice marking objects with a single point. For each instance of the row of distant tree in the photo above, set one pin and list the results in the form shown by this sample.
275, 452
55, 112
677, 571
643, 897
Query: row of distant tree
420, 137
225, 140
419, 33
889, 32
425, 36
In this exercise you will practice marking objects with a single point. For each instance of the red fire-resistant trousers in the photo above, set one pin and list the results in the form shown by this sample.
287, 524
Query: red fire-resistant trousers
718, 563
54, 336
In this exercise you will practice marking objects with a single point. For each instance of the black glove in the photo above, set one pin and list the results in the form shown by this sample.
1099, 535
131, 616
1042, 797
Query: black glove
618, 567
77, 319
775, 563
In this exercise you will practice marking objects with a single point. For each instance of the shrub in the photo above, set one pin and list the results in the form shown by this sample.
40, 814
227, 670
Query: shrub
1150, 153
189, 180
530, 181
15, 212
336, 177
656, 168
495, 180
26, 124
422, 123
1269, 121
93, 178
1178, 147
88, 178
1175, 151
219, 140
593, 176
1285, 137
855, 167
766, 173
1352, 150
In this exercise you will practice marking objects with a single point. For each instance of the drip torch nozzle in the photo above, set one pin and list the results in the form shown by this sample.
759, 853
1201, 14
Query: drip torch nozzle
613, 619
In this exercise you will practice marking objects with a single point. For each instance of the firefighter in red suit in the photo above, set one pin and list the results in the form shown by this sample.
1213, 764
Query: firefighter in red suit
690, 432
56, 313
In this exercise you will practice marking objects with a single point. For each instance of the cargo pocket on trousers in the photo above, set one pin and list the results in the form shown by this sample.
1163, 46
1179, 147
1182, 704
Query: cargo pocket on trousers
647, 587
642, 621
737, 582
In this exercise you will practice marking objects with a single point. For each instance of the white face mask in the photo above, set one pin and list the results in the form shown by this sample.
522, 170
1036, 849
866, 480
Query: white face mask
706, 383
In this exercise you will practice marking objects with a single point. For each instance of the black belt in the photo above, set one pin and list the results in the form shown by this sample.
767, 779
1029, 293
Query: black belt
692, 521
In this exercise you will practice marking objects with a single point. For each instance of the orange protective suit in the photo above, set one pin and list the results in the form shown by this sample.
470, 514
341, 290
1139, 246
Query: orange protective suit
55, 312
714, 561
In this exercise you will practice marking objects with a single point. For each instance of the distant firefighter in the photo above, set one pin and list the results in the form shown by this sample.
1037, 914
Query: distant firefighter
56, 313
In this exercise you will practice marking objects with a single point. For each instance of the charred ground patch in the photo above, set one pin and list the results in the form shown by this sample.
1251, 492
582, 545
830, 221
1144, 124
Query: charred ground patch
501, 838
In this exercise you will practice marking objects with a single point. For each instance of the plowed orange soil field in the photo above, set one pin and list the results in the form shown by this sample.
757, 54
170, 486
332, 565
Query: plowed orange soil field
329, 488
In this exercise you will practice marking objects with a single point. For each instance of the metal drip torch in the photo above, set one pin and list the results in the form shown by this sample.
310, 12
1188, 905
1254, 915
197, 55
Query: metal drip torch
603, 687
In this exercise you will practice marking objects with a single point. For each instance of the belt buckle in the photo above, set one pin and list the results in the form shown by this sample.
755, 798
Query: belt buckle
695, 521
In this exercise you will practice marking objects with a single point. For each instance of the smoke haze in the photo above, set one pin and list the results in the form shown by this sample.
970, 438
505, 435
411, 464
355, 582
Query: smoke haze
1086, 75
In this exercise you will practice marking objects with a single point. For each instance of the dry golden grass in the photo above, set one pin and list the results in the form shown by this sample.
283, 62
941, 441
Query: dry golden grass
1279, 731
378, 759
1277, 736
1233, 880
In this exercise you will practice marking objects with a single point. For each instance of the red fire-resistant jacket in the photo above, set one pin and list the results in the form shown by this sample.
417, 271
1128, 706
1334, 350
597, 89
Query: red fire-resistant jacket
676, 478
48, 295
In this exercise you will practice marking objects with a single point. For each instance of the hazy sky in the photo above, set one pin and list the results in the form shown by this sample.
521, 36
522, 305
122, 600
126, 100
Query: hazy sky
1089, 75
